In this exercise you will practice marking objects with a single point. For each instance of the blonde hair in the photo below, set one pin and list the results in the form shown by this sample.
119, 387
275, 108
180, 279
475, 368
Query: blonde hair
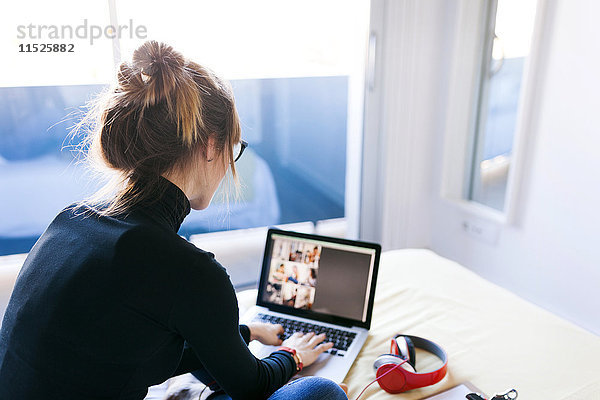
156, 119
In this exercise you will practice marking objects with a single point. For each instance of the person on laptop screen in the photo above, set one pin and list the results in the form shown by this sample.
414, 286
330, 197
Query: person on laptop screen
111, 300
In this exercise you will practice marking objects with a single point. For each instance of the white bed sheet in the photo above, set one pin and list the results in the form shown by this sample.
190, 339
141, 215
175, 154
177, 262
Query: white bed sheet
494, 339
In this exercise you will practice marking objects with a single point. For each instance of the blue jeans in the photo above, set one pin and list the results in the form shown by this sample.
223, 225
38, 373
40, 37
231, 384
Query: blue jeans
306, 388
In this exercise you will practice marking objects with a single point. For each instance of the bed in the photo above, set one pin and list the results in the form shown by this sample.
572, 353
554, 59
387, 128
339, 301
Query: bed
494, 339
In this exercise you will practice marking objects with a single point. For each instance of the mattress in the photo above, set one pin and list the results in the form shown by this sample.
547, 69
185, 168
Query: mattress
494, 339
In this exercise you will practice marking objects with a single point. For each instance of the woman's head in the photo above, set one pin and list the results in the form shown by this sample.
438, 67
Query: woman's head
167, 116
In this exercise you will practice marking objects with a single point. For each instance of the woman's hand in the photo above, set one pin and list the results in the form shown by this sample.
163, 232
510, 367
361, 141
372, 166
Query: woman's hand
266, 333
308, 346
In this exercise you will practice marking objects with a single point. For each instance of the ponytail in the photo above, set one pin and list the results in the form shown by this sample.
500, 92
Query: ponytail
166, 77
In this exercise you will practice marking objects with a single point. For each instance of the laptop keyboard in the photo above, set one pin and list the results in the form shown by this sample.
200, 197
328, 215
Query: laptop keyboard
341, 339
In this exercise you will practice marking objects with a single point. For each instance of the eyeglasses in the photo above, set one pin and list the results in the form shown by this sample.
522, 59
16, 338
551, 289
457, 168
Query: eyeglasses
239, 148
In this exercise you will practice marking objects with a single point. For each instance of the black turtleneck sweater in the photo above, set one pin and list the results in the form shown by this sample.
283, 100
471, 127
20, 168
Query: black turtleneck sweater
103, 305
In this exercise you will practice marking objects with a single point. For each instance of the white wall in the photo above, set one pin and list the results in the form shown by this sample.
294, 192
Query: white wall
550, 254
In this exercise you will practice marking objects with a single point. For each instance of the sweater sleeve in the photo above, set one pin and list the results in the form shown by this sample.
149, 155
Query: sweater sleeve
189, 361
205, 314
245, 332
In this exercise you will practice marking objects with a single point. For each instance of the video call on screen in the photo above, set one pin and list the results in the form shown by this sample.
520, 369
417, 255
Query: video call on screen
311, 276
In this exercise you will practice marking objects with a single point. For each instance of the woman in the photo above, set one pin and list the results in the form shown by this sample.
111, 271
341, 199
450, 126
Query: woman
110, 299
312, 278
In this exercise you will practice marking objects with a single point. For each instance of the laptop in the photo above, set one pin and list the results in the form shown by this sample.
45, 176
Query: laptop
319, 284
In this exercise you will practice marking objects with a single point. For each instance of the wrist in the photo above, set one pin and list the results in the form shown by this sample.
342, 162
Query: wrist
294, 353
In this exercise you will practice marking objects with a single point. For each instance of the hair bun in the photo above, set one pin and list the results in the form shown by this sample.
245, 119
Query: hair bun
152, 58
154, 73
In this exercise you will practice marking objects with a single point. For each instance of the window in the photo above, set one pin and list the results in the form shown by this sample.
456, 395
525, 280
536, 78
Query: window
37, 93
296, 68
507, 47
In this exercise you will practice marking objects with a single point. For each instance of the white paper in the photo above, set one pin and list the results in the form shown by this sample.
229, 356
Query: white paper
456, 393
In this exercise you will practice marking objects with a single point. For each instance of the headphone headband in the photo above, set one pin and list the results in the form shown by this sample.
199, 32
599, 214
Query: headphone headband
428, 346
402, 379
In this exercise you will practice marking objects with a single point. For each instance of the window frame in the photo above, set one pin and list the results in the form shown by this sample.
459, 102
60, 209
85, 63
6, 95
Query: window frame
472, 44
476, 136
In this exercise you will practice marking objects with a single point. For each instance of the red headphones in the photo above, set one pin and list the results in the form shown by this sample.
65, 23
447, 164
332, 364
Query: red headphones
396, 371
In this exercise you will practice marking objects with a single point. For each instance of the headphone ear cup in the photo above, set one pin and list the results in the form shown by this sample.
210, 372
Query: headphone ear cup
392, 359
390, 377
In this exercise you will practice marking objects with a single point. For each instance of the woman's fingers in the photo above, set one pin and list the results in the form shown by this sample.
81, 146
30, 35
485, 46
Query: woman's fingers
279, 331
308, 336
317, 339
310, 342
324, 346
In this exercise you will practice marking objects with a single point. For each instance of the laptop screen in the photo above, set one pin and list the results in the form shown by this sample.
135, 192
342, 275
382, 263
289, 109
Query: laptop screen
315, 275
